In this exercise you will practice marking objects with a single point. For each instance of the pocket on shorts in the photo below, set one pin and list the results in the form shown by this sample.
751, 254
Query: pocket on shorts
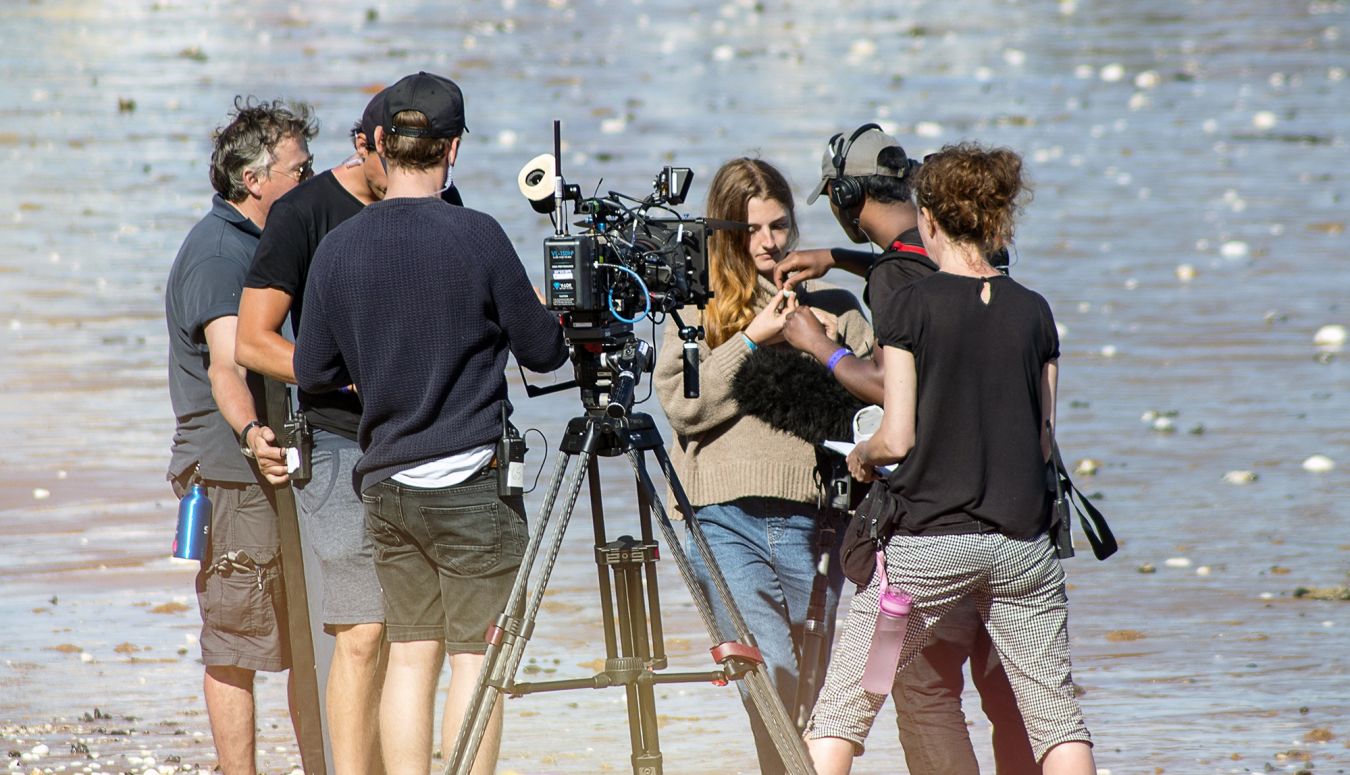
240, 602
468, 539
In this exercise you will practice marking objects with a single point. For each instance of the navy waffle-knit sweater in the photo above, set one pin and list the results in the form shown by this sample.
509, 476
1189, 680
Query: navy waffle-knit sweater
416, 302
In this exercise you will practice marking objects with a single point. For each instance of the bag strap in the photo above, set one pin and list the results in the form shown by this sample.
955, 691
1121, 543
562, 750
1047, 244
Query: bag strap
1094, 525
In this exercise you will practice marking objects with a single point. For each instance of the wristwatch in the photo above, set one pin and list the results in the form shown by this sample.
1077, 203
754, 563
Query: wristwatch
244, 448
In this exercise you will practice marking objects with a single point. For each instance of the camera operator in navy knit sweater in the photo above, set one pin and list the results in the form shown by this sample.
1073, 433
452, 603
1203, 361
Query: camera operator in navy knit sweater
415, 303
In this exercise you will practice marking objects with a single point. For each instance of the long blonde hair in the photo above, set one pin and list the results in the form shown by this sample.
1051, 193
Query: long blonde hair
731, 268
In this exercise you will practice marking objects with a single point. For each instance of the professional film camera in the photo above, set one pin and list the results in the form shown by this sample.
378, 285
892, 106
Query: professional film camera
633, 259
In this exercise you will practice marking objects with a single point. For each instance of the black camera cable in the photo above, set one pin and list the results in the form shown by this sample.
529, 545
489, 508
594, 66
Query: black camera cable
540, 470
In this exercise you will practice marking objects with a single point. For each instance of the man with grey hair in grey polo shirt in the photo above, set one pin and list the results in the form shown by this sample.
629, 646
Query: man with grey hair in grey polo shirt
259, 155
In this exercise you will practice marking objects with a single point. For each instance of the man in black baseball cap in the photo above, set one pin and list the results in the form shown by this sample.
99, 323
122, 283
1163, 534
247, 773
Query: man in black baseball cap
434, 96
340, 558
418, 303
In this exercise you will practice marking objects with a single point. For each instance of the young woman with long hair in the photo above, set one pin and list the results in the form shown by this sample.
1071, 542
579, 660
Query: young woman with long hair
970, 380
752, 487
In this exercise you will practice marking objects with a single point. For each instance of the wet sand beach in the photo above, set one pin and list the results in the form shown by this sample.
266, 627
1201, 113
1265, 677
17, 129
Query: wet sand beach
1188, 228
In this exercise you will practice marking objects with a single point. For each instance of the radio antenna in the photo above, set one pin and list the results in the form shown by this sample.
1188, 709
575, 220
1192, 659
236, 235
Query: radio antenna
560, 215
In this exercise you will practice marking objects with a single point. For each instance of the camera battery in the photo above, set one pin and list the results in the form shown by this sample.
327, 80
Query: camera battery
570, 265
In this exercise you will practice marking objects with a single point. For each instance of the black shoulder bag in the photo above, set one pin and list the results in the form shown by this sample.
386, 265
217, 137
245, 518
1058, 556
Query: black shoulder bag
870, 528
1069, 498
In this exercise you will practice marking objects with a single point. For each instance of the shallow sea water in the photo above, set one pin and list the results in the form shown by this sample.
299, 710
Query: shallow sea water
1205, 133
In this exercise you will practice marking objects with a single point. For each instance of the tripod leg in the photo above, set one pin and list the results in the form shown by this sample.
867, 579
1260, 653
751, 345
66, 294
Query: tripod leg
762, 693
815, 643
506, 642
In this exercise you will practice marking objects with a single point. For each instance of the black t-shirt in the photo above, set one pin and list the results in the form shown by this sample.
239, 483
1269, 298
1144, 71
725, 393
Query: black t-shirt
902, 264
976, 463
296, 224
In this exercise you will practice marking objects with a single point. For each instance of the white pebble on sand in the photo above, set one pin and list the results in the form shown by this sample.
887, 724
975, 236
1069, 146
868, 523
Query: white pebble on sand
41, 749
1264, 120
928, 129
40, 494
724, 53
1148, 416
1149, 79
861, 51
1203, 570
1112, 72
507, 138
1178, 562
1109, 351
1087, 467
1185, 272
1015, 57
1239, 477
1164, 425
1234, 249
613, 126
1330, 336
1319, 464
1083, 72
1062, 329
86, 657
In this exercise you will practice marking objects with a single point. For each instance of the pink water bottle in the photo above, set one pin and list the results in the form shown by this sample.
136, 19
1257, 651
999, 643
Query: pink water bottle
889, 638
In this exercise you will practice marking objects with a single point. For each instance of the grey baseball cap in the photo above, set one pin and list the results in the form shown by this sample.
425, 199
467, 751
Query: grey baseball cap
860, 161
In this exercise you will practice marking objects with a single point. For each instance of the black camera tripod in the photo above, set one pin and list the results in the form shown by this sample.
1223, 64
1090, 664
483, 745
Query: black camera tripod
630, 605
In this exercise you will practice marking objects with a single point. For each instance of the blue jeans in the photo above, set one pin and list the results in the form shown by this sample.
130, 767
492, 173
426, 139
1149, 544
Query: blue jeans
767, 550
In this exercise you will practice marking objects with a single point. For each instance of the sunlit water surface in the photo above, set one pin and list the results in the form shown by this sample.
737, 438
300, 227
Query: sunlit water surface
1204, 133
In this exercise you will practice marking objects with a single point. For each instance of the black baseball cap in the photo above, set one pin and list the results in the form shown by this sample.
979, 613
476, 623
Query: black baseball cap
436, 97
372, 117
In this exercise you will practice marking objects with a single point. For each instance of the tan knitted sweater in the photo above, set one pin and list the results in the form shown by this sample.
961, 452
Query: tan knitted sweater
720, 454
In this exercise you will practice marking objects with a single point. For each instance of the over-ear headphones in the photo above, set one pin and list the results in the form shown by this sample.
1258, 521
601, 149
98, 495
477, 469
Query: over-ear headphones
846, 191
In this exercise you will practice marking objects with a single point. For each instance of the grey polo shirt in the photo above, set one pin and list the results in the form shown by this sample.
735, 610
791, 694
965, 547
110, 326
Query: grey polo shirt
204, 284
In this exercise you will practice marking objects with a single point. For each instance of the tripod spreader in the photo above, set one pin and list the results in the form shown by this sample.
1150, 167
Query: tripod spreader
630, 608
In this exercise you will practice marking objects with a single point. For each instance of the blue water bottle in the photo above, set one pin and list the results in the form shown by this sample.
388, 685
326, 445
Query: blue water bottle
194, 524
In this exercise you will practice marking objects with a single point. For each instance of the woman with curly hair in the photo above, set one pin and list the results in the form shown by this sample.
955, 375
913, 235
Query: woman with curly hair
970, 380
752, 487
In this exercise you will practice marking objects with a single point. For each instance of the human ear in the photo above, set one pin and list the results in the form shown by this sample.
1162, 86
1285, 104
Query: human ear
253, 183
453, 151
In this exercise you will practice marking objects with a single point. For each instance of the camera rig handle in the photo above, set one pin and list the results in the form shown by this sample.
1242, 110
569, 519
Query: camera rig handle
628, 364
690, 336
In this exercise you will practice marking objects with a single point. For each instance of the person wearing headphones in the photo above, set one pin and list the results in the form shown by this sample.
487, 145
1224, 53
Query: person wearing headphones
867, 178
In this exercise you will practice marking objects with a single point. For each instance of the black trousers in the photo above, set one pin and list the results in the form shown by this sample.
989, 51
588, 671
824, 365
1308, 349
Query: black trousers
928, 710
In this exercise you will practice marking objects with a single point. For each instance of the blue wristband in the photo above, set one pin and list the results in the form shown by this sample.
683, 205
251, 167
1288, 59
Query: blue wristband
749, 342
837, 357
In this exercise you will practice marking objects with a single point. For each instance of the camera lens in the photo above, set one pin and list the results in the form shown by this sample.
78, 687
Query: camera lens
534, 177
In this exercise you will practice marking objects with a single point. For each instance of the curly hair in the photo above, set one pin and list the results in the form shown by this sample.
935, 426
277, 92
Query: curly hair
731, 268
974, 193
250, 140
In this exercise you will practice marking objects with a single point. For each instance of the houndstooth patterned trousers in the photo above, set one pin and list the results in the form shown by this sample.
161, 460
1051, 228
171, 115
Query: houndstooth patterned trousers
1018, 586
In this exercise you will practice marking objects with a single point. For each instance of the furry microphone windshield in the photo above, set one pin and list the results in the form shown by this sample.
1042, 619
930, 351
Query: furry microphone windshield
793, 393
